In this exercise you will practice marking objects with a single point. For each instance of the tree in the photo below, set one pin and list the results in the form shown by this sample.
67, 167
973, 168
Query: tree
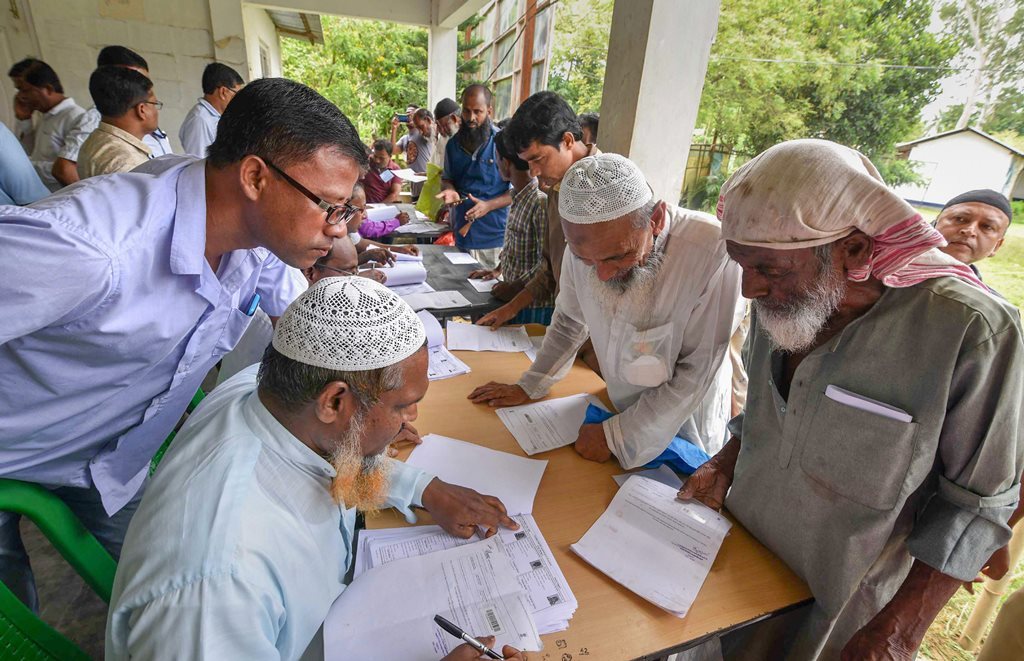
468, 68
369, 69
1006, 115
579, 52
989, 32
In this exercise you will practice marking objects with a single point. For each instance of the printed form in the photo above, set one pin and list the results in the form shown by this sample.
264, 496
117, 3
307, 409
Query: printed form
548, 424
659, 547
388, 611
470, 337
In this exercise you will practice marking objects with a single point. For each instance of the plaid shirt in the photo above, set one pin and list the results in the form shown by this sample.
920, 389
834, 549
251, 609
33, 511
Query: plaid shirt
524, 238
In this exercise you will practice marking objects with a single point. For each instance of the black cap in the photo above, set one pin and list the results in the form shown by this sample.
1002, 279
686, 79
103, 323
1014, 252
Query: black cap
444, 108
985, 196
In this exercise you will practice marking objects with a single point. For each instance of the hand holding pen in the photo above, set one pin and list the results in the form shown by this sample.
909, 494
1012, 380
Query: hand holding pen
475, 648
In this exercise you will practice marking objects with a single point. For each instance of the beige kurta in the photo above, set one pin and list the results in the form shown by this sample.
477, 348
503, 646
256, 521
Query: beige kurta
110, 149
847, 497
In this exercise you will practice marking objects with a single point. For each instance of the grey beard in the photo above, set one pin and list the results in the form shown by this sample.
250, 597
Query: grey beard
638, 283
794, 327
361, 482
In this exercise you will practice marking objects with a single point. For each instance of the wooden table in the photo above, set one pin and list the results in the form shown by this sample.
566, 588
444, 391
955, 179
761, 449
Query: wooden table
746, 583
442, 275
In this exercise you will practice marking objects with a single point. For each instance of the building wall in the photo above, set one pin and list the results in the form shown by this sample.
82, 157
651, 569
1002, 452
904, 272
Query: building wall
259, 28
955, 164
174, 37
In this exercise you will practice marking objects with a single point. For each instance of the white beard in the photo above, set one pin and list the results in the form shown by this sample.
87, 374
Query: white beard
637, 287
794, 327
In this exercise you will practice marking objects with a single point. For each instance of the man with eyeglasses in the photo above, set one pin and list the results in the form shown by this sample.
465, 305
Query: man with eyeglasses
199, 129
152, 276
129, 111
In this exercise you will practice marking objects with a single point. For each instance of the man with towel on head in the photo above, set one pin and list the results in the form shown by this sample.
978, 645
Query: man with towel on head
243, 539
652, 286
884, 406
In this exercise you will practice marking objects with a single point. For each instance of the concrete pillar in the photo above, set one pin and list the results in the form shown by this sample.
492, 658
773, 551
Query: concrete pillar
228, 31
442, 59
657, 57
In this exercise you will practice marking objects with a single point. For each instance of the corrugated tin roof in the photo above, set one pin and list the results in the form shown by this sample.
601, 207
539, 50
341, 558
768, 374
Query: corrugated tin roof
298, 25
905, 146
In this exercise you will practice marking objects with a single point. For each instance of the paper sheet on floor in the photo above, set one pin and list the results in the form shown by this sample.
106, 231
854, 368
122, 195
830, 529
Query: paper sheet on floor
551, 601
548, 424
460, 258
387, 613
659, 547
470, 337
510, 478
437, 300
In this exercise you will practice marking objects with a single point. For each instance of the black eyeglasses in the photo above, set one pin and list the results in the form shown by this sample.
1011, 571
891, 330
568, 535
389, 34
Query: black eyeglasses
159, 104
336, 213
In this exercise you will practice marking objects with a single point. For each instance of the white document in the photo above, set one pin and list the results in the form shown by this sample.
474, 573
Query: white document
548, 424
387, 175
460, 258
405, 290
662, 474
658, 547
421, 227
848, 398
483, 286
408, 175
404, 257
404, 273
443, 364
437, 300
550, 599
381, 211
470, 337
432, 328
513, 480
388, 612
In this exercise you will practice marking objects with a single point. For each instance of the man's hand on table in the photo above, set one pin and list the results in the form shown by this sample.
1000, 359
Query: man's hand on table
591, 443
465, 651
484, 274
499, 394
379, 255
406, 250
460, 511
708, 484
408, 435
498, 318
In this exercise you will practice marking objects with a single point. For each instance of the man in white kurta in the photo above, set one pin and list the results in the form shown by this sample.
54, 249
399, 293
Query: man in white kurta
244, 537
661, 339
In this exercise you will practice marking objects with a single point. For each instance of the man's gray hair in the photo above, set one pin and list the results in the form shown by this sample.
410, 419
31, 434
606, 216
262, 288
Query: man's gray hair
642, 216
294, 384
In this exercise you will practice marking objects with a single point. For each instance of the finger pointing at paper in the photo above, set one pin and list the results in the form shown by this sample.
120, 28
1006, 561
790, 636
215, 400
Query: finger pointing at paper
461, 511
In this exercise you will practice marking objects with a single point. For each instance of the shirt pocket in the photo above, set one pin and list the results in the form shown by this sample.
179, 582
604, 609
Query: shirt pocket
645, 359
861, 456
234, 328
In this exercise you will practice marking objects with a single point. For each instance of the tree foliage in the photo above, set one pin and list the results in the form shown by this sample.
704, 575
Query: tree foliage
579, 52
369, 69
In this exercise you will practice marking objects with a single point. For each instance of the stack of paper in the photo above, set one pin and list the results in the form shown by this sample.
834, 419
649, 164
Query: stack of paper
511, 479
436, 300
460, 258
404, 273
387, 613
422, 226
443, 364
470, 337
659, 547
549, 424
381, 211
405, 257
405, 290
550, 600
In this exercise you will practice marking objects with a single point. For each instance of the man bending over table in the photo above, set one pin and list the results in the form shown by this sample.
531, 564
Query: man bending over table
652, 286
879, 451
243, 540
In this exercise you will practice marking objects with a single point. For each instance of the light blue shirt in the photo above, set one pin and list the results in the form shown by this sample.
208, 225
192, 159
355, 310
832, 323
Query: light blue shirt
199, 129
111, 318
19, 183
238, 550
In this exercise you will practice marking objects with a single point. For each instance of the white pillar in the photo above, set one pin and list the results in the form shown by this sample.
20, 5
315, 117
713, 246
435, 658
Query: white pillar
228, 32
442, 59
657, 57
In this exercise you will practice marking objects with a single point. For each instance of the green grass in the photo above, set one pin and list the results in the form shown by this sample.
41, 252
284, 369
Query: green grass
940, 641
1005, 271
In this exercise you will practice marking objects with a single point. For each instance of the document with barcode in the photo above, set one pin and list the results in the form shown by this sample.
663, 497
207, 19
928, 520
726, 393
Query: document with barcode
388, 612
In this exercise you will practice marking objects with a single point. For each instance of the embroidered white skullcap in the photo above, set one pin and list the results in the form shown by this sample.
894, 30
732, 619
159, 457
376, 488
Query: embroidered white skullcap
349, 324
600, 188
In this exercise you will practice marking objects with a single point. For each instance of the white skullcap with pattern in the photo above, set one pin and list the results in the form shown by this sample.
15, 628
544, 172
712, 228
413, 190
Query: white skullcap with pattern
600, 188
350, 324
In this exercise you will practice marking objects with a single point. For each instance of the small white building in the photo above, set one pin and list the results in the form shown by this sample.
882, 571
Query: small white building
957, 161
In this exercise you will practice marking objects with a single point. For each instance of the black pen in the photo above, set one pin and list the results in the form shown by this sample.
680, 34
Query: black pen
454, 630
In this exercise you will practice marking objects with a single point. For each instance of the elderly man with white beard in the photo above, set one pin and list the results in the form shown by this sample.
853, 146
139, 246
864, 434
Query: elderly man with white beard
244, 537
652, 286
879, 450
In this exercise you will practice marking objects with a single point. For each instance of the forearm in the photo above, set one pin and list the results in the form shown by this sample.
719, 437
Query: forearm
65, 171
500, 202
726, 458
395, 194
907, 616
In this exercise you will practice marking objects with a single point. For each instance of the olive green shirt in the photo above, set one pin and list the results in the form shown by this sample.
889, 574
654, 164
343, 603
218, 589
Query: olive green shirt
848, 498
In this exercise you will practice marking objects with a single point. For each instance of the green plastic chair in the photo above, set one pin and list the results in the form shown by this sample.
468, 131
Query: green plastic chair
196, 398
22, 634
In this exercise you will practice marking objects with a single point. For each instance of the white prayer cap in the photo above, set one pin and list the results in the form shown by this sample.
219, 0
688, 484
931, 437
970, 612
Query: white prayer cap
600, 188
349, 324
